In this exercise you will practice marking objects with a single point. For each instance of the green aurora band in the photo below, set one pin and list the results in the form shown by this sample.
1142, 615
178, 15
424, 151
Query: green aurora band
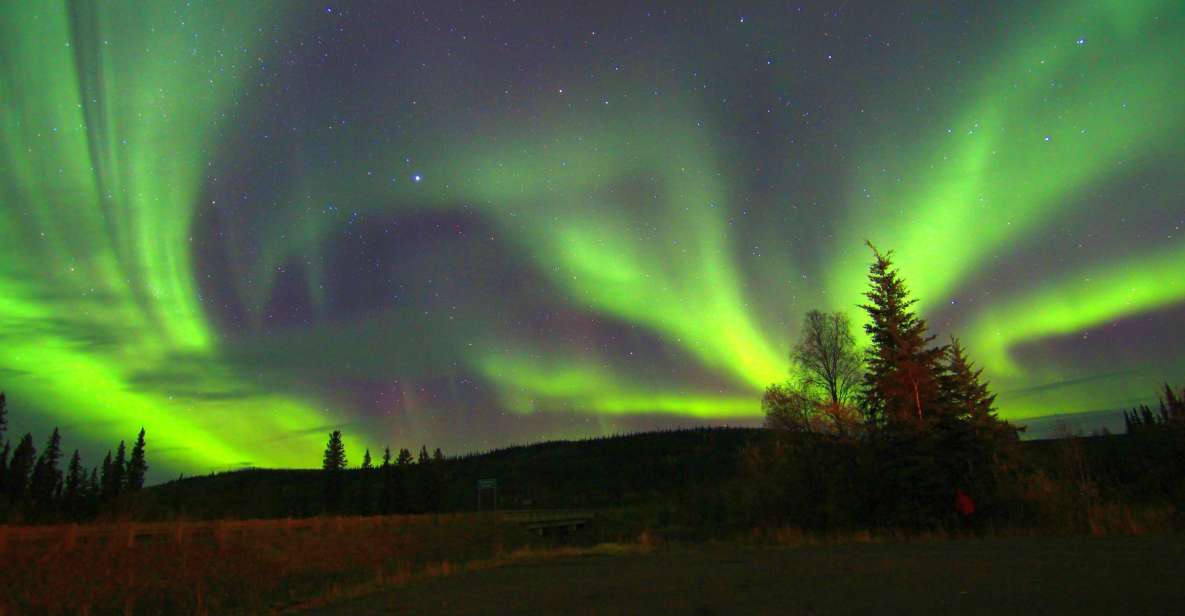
101, 187
114, 114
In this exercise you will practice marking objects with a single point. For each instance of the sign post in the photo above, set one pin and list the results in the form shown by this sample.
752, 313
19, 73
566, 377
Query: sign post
487, 484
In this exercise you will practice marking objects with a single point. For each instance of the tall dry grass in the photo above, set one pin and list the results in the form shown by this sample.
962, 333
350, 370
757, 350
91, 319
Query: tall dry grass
233, 566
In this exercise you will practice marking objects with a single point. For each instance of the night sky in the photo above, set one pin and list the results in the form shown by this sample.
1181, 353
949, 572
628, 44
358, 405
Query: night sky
472, 224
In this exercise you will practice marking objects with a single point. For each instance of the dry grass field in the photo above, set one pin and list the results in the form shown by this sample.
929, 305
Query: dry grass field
233, 566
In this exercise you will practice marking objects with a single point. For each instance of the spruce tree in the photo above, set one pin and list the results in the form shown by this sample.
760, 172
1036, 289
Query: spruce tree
1173, 405
94, 491
393, 496
975, 443
104, 491
335, 453
119, 470
366, 464
46, 475
963, 388
901, 382
3, 453
404, 458
439, 485
137, 465
333, 465
424, 493
72, 496
20, 468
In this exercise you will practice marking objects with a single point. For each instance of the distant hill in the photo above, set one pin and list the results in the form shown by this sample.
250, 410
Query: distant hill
609, 471
644, 469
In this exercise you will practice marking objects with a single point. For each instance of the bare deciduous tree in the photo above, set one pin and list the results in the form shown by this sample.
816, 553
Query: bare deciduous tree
827, 359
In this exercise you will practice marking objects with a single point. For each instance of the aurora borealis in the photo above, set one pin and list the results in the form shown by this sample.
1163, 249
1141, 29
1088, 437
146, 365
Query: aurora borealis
242, 225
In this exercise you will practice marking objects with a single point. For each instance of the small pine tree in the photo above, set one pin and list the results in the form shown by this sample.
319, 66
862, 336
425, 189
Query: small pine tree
75, 489
20, 468
119, 470
439, 485
963, 390
137, 464
3, 466
976, 442
366, 464
1173, 406
335, 453
105, 491
1171, 414
333, 464
425, 492
394, 496
46, 476
94, 491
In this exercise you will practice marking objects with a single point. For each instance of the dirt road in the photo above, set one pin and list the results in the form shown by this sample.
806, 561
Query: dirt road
1126, 575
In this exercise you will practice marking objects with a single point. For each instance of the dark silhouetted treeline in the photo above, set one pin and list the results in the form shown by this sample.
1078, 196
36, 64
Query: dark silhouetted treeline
34, 487
397, 485
657, 470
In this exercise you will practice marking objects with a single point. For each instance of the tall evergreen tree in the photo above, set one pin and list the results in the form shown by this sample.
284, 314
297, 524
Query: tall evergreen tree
75, 488
975, 442
94, 491
439, 481
104, 491
3, 430
119, 470
46, 475
333, 465
4, 465
137, 464
425, 494
20, 468
335, 453
393, 496
963, 387
366, 463
901, 382
404, 458
1173, 406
